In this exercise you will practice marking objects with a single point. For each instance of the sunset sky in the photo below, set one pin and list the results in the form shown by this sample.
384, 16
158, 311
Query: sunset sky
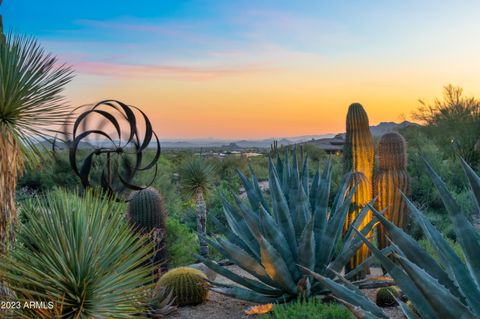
258, 69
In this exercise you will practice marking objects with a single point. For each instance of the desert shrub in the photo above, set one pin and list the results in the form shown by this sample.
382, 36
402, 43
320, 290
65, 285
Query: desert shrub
79, 254
311, 309
182, 243
427, 246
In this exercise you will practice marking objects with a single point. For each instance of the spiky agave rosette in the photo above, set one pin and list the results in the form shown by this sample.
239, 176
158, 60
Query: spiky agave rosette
272, 239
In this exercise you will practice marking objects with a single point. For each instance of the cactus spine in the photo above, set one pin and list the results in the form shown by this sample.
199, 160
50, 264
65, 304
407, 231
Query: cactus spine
391, 180
147, 213
359, 158
187, 285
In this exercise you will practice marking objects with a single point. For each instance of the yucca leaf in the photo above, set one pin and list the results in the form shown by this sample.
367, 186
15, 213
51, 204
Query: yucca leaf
404, 282
350, 296
450, 259
466, 233
276, 267
445, 304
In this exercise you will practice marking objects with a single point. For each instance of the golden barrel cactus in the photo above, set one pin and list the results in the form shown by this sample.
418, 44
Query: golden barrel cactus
359, 156
187, 285
392, 179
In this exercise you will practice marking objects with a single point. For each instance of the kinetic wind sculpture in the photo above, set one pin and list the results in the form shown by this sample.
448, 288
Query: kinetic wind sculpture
107, 144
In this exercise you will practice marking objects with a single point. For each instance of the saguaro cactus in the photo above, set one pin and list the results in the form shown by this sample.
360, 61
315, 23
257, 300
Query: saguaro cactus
392, 178
359, 158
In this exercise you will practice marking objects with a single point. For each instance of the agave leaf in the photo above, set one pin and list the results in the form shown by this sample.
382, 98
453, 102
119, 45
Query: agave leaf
350, 248
304, 177
258, 190
358, 312
350, 296
333, 230
474, 181
445, 304
249, 295
280, 209
322, 195
404, 282
457, 268
359, 219
306, 248
240, 228
368, 262
406, 311
250, 217
276, 238
255, 285
412, 250
466, 233
250, 189
276, 267
314, 188
242, 259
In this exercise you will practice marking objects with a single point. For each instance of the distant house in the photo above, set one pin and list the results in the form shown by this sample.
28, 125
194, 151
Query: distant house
331, 145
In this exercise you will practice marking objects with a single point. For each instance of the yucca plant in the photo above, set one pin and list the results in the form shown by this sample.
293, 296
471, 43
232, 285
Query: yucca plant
80, 254
443, 289
31, 105
272, 238
196, 179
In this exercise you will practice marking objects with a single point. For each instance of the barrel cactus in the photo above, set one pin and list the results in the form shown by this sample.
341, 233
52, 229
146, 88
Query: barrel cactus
391, 181
148, 214
359, 158
188, 286
385, 296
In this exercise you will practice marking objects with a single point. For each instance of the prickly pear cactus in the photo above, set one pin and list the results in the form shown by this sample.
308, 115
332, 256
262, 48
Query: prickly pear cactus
187, 285
359, 158
391, 180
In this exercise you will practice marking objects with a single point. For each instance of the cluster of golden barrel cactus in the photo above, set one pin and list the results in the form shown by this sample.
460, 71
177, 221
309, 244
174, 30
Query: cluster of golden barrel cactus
390, 180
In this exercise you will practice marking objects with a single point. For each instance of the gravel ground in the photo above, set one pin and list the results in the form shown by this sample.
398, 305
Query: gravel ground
219, 306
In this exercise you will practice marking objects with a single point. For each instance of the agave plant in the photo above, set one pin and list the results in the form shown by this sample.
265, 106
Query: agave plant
80, 255
449, 288
272, 239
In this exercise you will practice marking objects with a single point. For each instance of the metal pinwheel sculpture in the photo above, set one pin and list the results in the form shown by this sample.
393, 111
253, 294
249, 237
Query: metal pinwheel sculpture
116, 154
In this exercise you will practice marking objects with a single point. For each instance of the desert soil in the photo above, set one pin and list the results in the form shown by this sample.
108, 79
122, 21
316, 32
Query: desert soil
220, 306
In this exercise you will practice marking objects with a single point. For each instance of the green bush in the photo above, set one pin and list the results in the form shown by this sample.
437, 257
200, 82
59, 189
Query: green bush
182, 243
427, 246
311, 309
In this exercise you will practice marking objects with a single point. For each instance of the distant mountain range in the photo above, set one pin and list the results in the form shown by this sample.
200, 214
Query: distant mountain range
377, 131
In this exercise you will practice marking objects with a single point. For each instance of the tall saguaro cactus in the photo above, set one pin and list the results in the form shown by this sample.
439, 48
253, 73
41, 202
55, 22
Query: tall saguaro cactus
359, 158
391, 180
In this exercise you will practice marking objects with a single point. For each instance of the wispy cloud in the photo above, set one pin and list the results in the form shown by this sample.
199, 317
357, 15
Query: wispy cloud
133, 71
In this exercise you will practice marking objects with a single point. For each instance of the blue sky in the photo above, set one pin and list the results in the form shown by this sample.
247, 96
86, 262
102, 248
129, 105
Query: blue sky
236, 57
